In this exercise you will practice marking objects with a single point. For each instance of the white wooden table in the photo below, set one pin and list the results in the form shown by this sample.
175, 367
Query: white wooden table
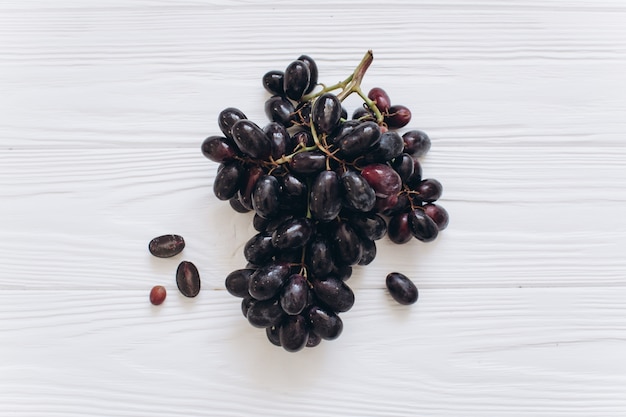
522, 311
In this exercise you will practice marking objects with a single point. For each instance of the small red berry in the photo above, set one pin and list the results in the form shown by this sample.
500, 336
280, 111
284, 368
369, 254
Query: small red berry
157, 295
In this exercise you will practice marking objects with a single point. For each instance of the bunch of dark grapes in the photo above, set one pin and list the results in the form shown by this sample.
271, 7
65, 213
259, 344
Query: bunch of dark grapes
323, 188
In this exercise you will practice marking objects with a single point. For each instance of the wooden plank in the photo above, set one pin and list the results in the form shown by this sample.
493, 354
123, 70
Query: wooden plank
472, 352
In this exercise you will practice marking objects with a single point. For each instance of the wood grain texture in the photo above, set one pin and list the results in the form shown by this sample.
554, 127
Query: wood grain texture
103, 107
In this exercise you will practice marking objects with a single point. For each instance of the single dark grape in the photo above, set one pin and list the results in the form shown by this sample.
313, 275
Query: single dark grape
245, 305
438, 214
273, 82
384, 180
326, 113
295, 295
279, 109
399, 229
308, 162
293, 333
381, 98
293, 233
423, 227
228, 180
429, 190
266, 282
265, 196
313, 340
251, 139
369, 225
368, 251
319, 258
279, 138
324, 323
404, 166
334, 293
259, 248
401, 288
358, 140
358, 194
227, 119
416, 143
238, 281
312, 70
237, 205
347, 244
188, 279
166, 246
296, 79
389, 146
398, 116
264, 313
325, 197
273, 335
219, 149
248, 184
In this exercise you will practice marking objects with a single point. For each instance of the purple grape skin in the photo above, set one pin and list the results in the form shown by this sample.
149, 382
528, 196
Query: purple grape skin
313, 340
429, 190
265, 196
356, 141
273, 82
295, 295
292, 234
313, 71
383, 179
325, 196
219, 149
296, 79
334, 293
251, 139
368, 252
188, 279
237, 205
267, 281
398, 116
280, 110
399, 229
308, 162
293, 333
228, 180
273, 335
439, 215
369, 225
401, 288
347, 244
319, 257
357, 193
423, 227
259, 248
324, 323
404, 166
326, 113
264, 313
381, 98
227, 119
416, 143
238, 281
166, 246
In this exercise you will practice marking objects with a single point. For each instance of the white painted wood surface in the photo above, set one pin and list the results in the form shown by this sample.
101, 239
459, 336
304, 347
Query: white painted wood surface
103, 106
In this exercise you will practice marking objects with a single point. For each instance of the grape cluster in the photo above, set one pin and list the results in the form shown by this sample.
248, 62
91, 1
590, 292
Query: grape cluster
323, 188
